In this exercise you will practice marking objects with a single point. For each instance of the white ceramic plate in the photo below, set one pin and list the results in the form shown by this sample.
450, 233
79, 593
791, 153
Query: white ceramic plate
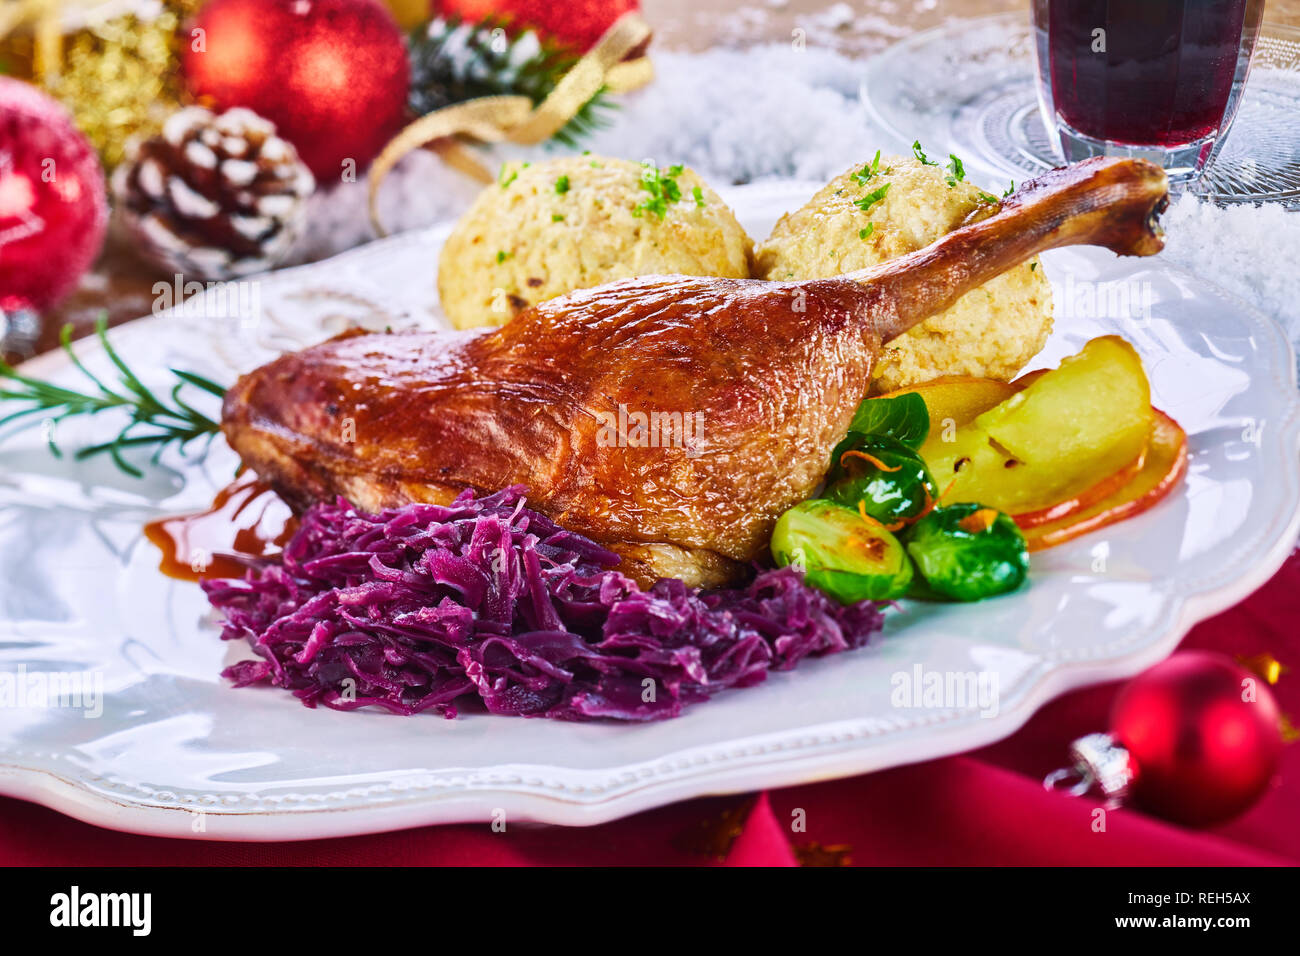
178, 752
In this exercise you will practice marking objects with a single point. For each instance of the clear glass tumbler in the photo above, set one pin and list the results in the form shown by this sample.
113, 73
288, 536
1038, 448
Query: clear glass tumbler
1156, 79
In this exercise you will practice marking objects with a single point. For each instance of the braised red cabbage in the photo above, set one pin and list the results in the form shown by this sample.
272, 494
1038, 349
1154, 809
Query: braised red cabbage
423, 606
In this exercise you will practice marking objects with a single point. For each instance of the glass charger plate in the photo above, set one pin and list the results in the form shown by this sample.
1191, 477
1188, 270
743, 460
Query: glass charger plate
969, 87
176, 751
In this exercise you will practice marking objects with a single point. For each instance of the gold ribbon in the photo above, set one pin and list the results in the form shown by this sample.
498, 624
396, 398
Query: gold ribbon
514, 119
44, 19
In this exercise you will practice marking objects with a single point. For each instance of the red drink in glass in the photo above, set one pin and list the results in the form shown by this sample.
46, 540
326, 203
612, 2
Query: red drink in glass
1155, 78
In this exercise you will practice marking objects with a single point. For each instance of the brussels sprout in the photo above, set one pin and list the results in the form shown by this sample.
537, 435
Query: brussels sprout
905, 418
882, 476
967, 552
840, 553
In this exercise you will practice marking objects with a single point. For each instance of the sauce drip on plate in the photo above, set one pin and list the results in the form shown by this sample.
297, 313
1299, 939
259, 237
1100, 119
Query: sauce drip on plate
246, 520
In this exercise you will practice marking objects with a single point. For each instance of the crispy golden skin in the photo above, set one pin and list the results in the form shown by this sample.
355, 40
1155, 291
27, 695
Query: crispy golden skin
771, 372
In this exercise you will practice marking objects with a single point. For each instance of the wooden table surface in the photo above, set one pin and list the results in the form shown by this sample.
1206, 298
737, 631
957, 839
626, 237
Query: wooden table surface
121, 287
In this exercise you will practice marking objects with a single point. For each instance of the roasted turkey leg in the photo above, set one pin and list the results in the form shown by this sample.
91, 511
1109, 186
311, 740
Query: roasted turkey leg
744, 385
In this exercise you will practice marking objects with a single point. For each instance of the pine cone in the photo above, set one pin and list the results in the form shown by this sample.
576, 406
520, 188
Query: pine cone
213, 197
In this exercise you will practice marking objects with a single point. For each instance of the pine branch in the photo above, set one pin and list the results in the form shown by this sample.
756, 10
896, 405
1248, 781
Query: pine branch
453, 61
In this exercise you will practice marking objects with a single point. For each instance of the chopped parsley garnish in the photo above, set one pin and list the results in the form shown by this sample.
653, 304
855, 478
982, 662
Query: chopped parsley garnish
698, 194
864, 233
956, 170
508, 175
662, 187
871, 198
556, 217
866, 172
987, 198
502, 256
562, 185
1010, 189
919, 153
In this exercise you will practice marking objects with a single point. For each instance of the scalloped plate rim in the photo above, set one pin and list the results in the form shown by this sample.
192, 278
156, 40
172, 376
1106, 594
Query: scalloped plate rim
98, 801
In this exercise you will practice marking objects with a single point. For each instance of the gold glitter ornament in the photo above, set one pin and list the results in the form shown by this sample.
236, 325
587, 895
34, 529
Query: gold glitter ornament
114, 65
119, 80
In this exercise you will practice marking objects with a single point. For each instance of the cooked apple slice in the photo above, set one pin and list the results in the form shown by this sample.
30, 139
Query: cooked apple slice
958, 399
1090, 496
1029, 378
1062, 435
1165, 465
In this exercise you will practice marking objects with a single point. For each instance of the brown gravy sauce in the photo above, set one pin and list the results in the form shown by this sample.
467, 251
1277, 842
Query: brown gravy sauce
246, 520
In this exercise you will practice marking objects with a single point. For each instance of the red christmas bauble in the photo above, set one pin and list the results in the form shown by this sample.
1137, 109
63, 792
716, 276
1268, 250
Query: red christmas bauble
577, 23
331, 74
52, 208
1203, 736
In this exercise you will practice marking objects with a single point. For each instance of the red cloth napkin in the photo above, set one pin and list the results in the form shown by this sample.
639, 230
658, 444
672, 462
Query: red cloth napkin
985, 807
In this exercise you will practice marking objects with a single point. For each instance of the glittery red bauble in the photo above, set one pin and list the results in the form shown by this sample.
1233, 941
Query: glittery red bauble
52, 209
577, 23
1202, 750
331, 74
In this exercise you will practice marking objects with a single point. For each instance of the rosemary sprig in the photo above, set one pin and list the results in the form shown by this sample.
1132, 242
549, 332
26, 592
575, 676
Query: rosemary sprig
178, 423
